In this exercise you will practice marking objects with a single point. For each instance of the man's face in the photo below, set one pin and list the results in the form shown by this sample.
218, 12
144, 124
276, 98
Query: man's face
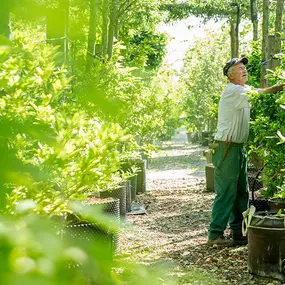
239, 74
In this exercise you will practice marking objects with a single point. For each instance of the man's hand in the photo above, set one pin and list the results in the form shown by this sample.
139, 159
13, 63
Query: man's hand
271, 89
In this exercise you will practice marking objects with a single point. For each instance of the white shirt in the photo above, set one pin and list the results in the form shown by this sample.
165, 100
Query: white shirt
233, 114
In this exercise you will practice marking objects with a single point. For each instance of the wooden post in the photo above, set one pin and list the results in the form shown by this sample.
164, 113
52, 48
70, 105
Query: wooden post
112, 25
270, 51
265, 24
233, 40
92, 34
237, 30
278, 31
254, 19
105, 23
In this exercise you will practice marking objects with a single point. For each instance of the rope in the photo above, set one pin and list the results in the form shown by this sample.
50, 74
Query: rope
263, 63
55, 39
247, 216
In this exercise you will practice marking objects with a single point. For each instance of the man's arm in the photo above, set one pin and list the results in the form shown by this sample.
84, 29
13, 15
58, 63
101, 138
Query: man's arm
271, 89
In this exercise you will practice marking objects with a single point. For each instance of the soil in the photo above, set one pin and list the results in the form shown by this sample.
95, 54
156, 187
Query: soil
172, 234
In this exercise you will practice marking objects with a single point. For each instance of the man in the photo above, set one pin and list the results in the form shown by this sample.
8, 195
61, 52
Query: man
229, 157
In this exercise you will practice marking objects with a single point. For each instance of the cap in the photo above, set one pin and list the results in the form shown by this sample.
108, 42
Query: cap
232, 62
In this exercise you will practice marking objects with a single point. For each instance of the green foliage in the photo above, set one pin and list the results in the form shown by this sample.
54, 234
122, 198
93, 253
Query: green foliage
253, 66
64, 138
37, 250
267, 118
142, 106
54, 149
203, 80
30, 250
80, 133
78, 153
206, 9
146, 50
139, 16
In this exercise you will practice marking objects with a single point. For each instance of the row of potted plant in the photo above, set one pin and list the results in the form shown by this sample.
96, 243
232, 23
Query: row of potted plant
55, 156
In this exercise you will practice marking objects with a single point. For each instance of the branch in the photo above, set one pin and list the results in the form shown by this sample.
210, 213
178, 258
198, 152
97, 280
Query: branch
183, 10
123, 4
123, 9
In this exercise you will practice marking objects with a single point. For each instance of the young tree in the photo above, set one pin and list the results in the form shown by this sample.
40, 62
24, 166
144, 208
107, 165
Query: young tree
254, 19
264, 50
278, 31
203, 79
112, 26
105, 20
234, 19
233, 11
92, 33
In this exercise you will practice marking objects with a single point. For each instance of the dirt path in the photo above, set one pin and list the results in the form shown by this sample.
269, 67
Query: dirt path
173, 233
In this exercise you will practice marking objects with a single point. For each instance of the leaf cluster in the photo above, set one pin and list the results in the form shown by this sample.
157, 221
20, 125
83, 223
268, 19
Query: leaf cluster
205, 9
76, 153
203, 80
267, 119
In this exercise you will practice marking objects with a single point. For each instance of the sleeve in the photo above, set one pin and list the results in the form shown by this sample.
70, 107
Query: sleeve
238, 97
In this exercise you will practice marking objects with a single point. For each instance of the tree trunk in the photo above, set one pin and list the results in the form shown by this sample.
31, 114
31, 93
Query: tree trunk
237, 30
270, 52
264, 51
4, 18
234, 24
105, 28
278, 31
65, 7
254, 19
112, 25
234, 52
117, 28
92, 34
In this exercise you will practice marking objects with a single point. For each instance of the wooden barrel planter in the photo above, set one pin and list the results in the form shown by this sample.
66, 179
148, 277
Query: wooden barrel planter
120, 193
189, 137
85, 231
209, 170
266, 245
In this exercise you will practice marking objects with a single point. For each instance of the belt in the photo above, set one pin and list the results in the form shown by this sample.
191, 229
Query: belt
230, 143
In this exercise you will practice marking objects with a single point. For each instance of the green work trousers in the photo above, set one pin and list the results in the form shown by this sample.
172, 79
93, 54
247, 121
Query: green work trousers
231, 188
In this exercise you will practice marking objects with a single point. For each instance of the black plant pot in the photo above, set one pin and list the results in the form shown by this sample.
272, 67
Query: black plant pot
141, 178
119, 193
128, 196
139, 182
84, 231
133, 187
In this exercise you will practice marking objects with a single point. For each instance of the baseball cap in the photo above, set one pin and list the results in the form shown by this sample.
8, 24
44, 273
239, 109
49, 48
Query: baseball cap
232, 62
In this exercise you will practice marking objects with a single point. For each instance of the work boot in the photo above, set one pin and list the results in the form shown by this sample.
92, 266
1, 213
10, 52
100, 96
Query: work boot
220, 242
239, 239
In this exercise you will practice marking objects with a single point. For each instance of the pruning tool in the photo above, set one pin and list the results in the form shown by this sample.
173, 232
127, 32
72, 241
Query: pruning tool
227, 146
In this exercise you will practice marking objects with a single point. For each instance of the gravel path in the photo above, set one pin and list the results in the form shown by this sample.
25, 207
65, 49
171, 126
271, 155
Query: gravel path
173, 233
